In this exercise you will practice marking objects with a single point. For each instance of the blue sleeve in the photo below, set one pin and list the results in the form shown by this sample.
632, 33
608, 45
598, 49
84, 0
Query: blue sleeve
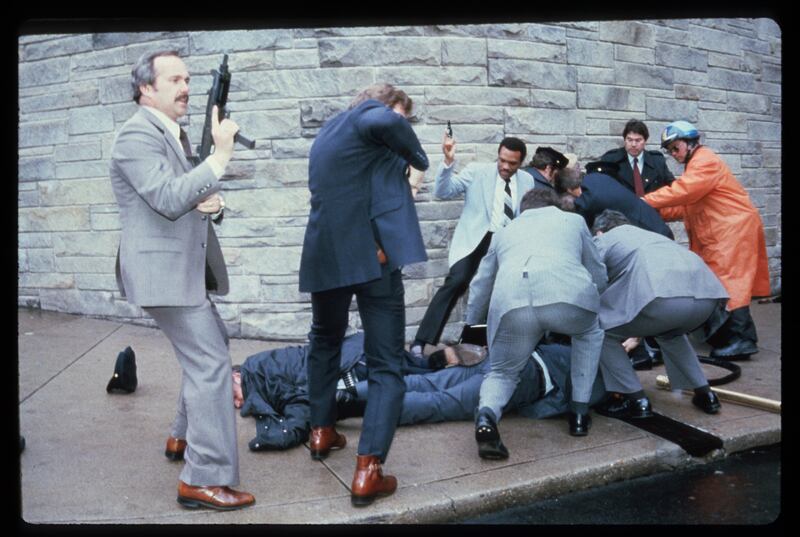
276, 432
382, 126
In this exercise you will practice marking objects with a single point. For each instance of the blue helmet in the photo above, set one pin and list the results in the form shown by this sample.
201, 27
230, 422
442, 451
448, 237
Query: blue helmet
679, 130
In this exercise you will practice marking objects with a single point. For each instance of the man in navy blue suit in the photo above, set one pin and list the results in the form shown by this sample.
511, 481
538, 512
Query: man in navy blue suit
362, 228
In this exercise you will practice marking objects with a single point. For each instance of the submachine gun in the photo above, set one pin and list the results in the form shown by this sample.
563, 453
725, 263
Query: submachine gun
218, 95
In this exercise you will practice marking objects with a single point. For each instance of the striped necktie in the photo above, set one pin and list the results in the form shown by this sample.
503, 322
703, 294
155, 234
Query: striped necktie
508, 204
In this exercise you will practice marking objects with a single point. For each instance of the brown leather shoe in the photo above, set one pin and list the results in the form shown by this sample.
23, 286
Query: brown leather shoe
369, 481
220, 498
175, 448
324, 439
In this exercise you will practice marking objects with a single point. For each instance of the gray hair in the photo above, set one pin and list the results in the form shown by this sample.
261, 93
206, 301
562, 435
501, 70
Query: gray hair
608, 220
144, 73
567, 179
537, 198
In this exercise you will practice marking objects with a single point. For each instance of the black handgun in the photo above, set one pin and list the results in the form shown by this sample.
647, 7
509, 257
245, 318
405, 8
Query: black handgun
449, 130
218, 95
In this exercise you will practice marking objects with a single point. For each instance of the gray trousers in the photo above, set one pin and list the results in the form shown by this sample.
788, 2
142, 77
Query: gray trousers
205, 417
668, 320
517, 335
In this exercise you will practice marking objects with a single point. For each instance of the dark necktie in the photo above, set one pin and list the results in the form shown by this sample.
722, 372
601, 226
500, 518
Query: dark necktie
187, 149
508, 204
637, 178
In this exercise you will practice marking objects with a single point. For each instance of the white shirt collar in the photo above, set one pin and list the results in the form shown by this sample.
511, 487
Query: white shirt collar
639, 162
171, 125
512, 180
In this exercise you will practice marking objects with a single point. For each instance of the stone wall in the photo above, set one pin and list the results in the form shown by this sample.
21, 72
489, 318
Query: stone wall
571, 85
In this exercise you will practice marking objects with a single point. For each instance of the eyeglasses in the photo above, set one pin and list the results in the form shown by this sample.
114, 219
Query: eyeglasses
672, 150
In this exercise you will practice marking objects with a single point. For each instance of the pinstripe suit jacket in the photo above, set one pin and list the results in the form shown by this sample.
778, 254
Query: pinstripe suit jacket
165, 243
477, 183
544, 256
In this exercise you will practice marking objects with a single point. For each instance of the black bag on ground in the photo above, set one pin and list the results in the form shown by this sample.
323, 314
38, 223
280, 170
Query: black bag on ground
124, 378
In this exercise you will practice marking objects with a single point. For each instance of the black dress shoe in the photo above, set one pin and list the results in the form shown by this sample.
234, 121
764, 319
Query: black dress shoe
579, 424
625, 407
739, 349
707, 402
489, 444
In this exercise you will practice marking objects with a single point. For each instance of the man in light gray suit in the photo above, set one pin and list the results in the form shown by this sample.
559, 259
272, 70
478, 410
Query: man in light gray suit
541, 272
656, 287
492, 194
169, 258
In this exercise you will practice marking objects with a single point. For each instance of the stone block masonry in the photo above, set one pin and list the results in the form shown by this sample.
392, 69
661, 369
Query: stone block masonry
570, 85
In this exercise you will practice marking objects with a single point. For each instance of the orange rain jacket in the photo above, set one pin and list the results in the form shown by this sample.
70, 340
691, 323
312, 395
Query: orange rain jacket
723, 226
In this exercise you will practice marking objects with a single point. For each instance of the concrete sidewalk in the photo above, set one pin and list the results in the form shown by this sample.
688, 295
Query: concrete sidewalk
92, 457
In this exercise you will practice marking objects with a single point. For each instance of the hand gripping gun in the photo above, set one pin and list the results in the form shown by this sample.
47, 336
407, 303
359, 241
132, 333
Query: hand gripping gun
218, 95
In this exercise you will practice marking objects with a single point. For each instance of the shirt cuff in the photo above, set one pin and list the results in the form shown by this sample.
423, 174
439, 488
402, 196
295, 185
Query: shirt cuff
216, 168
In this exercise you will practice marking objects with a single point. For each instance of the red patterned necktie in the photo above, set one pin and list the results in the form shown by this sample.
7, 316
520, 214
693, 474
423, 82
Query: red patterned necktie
637, 178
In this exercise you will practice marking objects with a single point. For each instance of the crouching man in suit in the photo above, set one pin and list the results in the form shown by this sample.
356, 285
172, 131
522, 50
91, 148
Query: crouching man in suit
656, 287
168, 259
541, 272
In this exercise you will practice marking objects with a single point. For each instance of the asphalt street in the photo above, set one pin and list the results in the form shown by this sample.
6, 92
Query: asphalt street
743, 489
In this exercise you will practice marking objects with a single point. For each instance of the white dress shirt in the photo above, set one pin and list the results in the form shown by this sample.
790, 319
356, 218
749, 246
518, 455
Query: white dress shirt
639, 163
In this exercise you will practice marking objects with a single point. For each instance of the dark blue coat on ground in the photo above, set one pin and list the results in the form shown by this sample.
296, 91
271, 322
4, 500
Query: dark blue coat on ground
360, 196
600, 192
275, 385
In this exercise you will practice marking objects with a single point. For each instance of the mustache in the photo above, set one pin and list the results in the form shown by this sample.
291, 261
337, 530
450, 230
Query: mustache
183, 98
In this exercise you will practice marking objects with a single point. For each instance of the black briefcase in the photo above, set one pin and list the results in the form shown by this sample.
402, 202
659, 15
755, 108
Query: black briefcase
124, 378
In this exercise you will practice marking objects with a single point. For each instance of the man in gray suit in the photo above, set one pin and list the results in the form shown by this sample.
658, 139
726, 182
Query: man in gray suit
656, 287
492, 194
168, 260
541, 272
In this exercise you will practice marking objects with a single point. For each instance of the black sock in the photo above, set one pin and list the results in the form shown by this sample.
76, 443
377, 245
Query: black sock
702, 390
579, 408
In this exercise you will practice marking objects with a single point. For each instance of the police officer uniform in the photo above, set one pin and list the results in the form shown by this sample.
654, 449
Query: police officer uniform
654, 171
